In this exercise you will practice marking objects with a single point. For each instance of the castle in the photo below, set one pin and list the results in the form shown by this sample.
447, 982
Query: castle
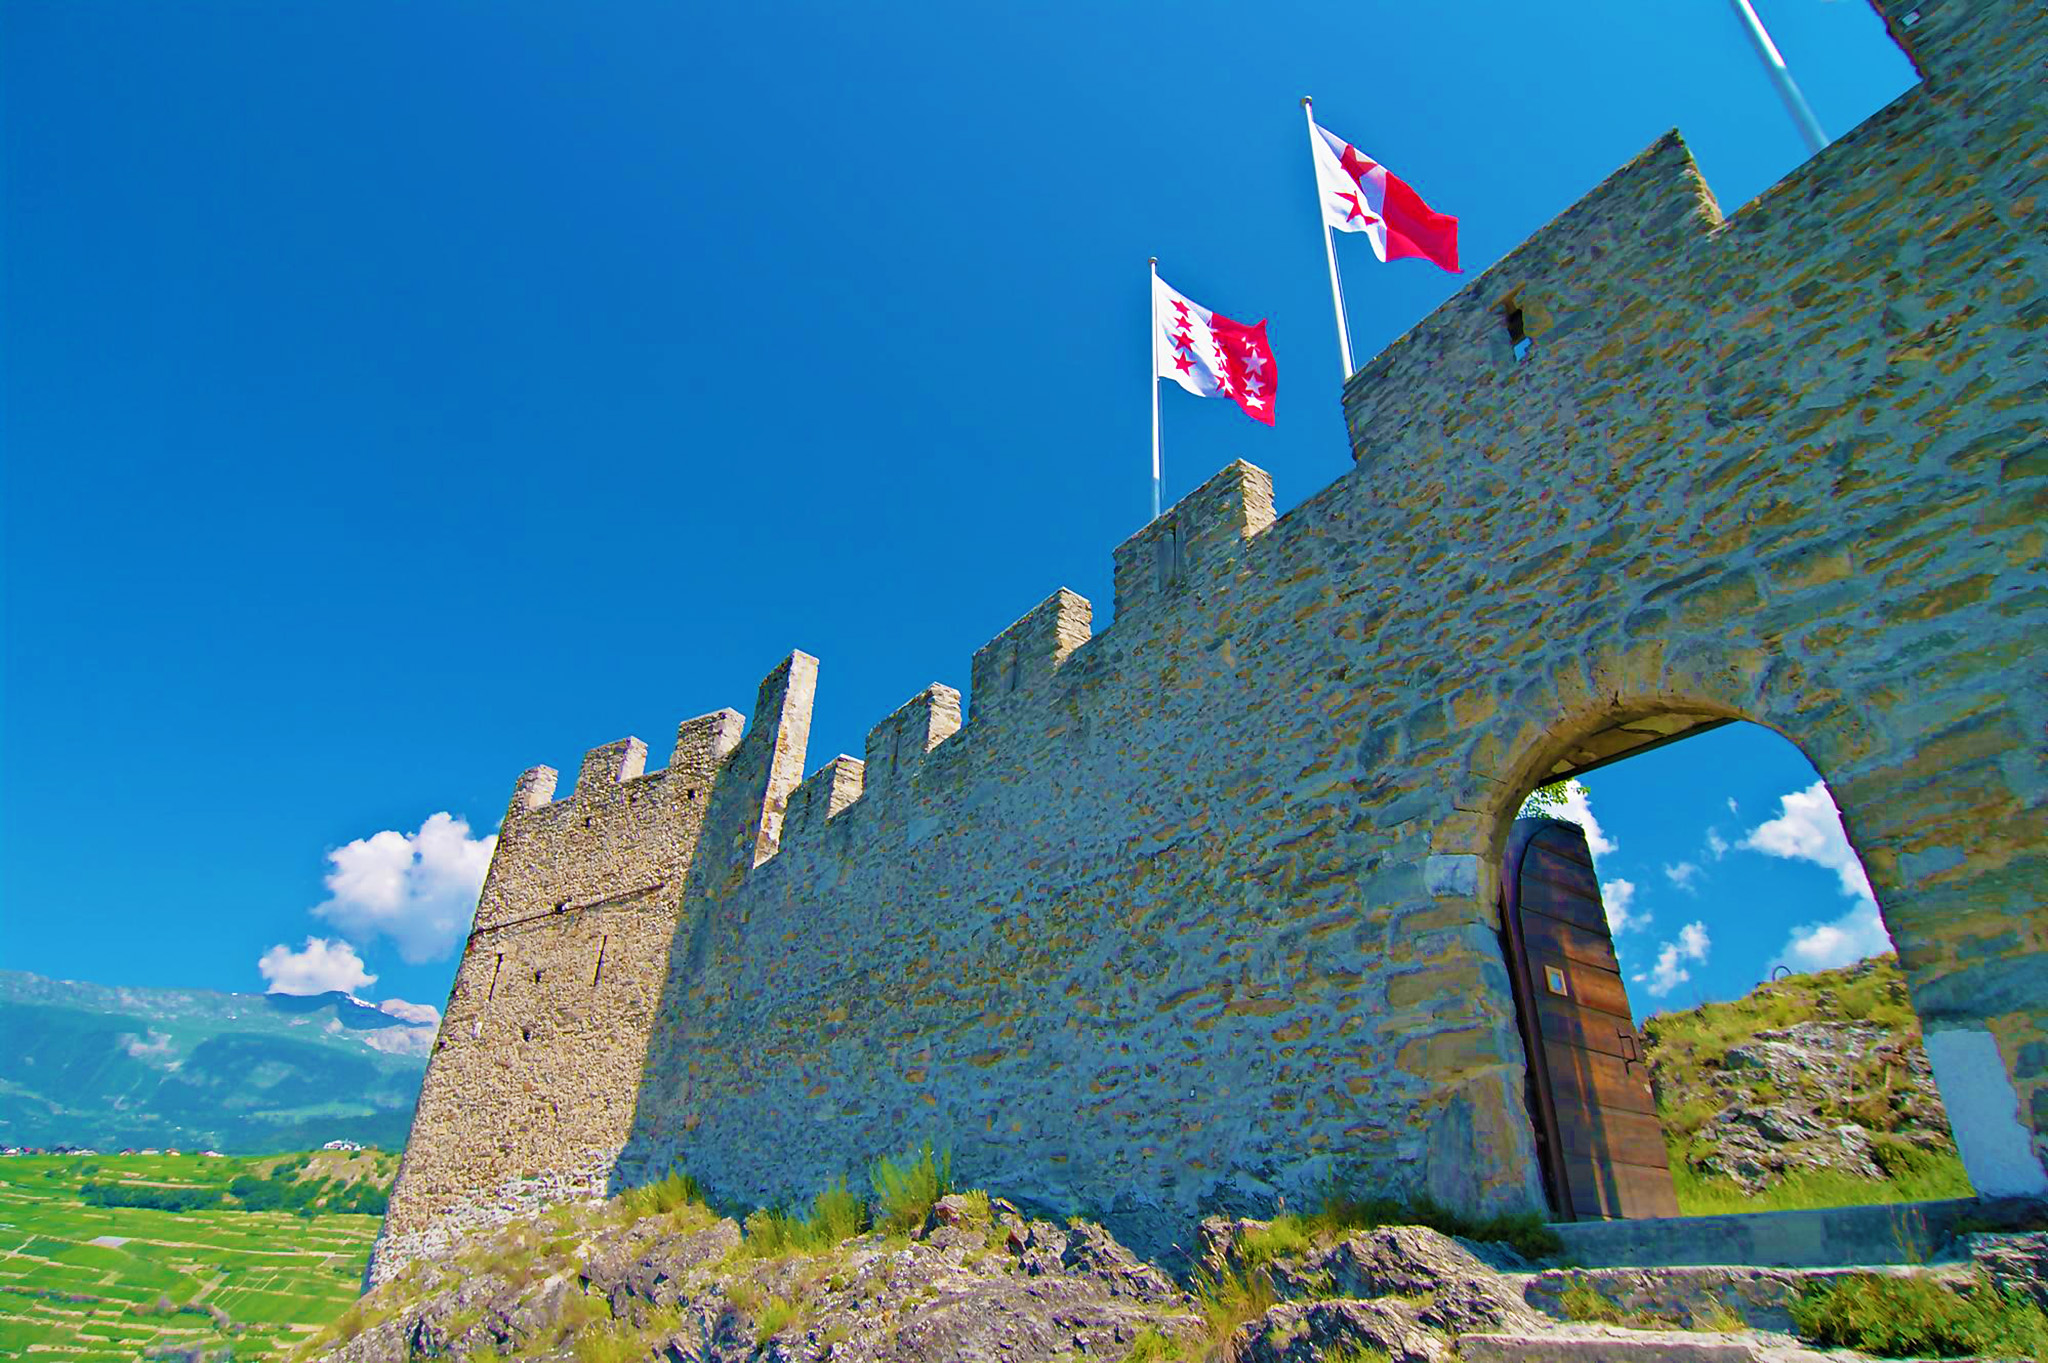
1196, 910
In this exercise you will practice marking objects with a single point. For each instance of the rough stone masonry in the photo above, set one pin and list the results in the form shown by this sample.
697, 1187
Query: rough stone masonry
1192, 912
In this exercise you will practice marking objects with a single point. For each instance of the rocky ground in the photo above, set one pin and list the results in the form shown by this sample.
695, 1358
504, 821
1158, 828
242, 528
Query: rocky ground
1816, 1074
979, 1281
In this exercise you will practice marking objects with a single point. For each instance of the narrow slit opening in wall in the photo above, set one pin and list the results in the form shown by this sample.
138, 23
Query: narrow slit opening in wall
1518, 334
477, 1028
1167, 560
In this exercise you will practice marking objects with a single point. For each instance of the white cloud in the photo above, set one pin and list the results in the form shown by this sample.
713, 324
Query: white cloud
1717, 846
401, 1041
1619, 898
1670, 971
1578, 809
1822, 946
412, 1012
418, 889
322, 966
1734, 808
1809, 828
1668, 974
1682, 875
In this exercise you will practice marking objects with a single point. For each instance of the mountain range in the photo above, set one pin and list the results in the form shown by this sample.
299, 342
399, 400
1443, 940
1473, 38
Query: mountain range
109, 1067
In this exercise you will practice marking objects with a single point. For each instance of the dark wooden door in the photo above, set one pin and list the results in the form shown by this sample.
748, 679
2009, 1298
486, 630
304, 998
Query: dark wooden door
1589, 1088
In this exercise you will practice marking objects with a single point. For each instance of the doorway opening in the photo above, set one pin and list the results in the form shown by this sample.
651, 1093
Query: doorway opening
1712, 1013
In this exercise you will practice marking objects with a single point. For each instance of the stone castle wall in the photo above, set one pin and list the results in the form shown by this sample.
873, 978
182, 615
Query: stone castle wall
1197, 910
529, 1093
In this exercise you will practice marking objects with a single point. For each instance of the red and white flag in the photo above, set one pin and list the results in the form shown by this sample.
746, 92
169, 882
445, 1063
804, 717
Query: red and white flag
1359, 195
1210, 355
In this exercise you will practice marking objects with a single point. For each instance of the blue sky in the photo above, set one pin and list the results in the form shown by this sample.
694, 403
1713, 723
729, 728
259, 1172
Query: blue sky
397, 396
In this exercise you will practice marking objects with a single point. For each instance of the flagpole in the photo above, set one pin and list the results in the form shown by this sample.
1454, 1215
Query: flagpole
1774, 67
1153, 302
1329, 246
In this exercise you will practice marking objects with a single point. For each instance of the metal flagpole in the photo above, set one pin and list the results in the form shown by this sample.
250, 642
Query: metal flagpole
1154, 312
1774, 66
1308, 111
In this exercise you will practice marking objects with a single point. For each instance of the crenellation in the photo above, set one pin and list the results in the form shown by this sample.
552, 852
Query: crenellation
612, 764
535, 787
1195, 541
1020, 659
897, 745
1202, 910
743, 818
702, 745
820, 797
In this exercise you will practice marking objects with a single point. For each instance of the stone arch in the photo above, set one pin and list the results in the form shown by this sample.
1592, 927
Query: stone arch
1940, 830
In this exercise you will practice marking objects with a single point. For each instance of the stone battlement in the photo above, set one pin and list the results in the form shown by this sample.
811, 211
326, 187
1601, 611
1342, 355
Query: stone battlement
1191, 912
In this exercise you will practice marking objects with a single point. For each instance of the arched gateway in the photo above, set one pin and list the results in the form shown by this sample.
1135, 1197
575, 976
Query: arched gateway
1195, 911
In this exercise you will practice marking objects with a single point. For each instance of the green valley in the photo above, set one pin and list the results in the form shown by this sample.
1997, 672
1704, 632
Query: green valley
259, 1252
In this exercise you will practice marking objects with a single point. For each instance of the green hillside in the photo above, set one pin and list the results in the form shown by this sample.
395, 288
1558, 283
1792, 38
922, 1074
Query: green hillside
1808, 1091
86, 1276
103, 1068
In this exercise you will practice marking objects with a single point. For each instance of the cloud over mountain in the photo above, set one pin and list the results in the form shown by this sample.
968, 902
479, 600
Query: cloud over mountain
320, 966
418, 889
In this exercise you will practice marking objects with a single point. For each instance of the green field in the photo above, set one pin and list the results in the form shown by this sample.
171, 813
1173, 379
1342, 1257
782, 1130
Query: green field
80, 1281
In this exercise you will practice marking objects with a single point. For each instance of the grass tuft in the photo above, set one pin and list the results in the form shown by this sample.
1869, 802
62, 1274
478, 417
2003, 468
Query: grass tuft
673, 1193
1284, 1237
777, 1314
1903, 1316
1289, 1236
837, 1215
978, 1210
1719, 1317
1581, 1303
906, 1190
1920, 1177
1231, 1299
1152, 1347
610, 1343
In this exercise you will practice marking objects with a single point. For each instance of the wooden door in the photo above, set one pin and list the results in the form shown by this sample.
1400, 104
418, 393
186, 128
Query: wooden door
1596, 1122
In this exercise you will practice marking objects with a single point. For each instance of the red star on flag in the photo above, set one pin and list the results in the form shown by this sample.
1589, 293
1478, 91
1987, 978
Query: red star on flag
1361, 195
1213, 356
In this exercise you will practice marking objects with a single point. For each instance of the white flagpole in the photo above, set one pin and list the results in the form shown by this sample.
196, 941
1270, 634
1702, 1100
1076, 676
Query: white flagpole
1329, 245
1774, 67
1153, 300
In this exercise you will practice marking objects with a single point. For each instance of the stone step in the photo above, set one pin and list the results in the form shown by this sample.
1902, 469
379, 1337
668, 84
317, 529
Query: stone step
1821, 1237
1601, 1343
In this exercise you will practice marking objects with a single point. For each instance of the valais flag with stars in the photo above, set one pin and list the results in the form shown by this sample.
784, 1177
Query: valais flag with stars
1359, 195
1210, 355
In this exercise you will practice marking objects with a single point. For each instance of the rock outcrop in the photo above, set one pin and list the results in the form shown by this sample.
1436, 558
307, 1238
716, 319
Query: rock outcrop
978, 1281
1820, 1072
